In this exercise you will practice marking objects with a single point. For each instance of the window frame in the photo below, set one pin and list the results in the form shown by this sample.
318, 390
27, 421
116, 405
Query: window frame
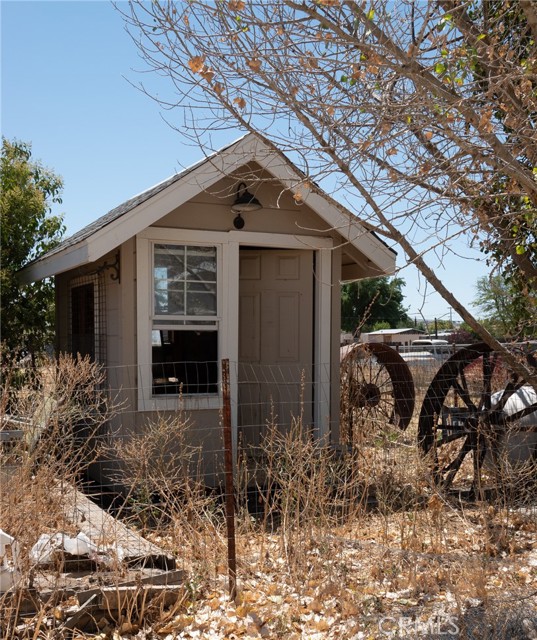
148, 320
186, 318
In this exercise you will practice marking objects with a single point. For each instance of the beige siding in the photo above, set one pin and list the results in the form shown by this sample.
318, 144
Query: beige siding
62, 310
280, 213
334, 346
203, 436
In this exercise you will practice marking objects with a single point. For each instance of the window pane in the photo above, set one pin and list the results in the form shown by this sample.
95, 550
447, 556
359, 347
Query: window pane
178, 269
185, 362
175, 300
201, 264
170, 259
201, 299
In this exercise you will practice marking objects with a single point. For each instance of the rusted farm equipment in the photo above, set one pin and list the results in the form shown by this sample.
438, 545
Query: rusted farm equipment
477, 421
378, 387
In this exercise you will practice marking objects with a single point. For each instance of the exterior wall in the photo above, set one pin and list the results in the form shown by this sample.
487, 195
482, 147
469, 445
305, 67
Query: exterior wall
279, 213
119, 313
62, 311
202, 436
334, 347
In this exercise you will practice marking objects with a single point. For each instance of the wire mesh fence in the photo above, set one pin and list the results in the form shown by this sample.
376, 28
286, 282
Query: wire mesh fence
418, 482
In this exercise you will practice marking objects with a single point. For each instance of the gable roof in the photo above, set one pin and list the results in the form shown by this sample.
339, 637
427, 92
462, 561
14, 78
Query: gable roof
133, 216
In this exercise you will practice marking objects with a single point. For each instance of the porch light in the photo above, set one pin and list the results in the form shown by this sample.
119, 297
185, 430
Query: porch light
244, 201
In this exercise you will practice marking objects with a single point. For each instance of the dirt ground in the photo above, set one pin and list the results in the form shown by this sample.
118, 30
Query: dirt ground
438, 572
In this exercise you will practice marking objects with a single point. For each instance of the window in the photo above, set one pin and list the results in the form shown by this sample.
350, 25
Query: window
86, 326
184, 324
83, 320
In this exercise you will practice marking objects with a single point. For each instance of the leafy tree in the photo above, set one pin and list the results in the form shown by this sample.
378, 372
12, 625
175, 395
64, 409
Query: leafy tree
26, 230
378, 326
424, 112
463, 335
368, 303
442, 324
504, 311
517, 222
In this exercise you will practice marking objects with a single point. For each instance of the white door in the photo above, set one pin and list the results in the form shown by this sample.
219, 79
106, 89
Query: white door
275, 341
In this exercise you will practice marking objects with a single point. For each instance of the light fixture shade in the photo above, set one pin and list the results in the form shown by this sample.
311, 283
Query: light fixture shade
245, 201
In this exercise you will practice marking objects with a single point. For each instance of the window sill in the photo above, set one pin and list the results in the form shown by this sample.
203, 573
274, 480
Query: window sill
177, 402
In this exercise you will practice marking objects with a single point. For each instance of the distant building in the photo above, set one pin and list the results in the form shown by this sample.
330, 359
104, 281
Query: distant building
394, 337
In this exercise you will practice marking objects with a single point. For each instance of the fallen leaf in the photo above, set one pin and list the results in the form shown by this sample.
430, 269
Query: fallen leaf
276, 599
315, 606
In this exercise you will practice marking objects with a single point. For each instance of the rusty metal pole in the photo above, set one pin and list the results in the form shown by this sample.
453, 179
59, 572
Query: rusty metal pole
230, 492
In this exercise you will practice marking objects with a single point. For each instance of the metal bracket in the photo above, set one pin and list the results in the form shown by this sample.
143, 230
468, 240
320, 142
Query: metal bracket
116, 275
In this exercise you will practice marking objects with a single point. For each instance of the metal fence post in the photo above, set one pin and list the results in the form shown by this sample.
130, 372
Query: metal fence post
229, 488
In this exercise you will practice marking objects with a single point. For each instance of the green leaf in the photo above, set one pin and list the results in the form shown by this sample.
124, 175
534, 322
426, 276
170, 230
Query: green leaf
481, 36
445, 20
439, 68
520, 250
370, 14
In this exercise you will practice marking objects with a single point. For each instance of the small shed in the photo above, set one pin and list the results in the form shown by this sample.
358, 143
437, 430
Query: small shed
236, 257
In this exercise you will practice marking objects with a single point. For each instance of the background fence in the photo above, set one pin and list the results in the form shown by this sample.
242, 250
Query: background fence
393, 500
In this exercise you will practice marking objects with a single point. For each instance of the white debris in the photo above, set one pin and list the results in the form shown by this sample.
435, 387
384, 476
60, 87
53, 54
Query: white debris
79, 546
9, 550
47, 545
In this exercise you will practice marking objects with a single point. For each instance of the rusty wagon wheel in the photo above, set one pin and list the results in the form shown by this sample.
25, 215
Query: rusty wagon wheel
377, 389
478, 423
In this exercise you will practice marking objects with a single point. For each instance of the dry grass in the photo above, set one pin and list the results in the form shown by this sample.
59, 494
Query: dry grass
165, 494
350, 543
60, 409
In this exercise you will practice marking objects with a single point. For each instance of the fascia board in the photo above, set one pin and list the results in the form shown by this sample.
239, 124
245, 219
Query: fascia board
69, 259
354, 233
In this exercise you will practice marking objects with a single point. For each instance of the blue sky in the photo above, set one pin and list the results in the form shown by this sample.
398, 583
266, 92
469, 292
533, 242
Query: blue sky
66, 74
